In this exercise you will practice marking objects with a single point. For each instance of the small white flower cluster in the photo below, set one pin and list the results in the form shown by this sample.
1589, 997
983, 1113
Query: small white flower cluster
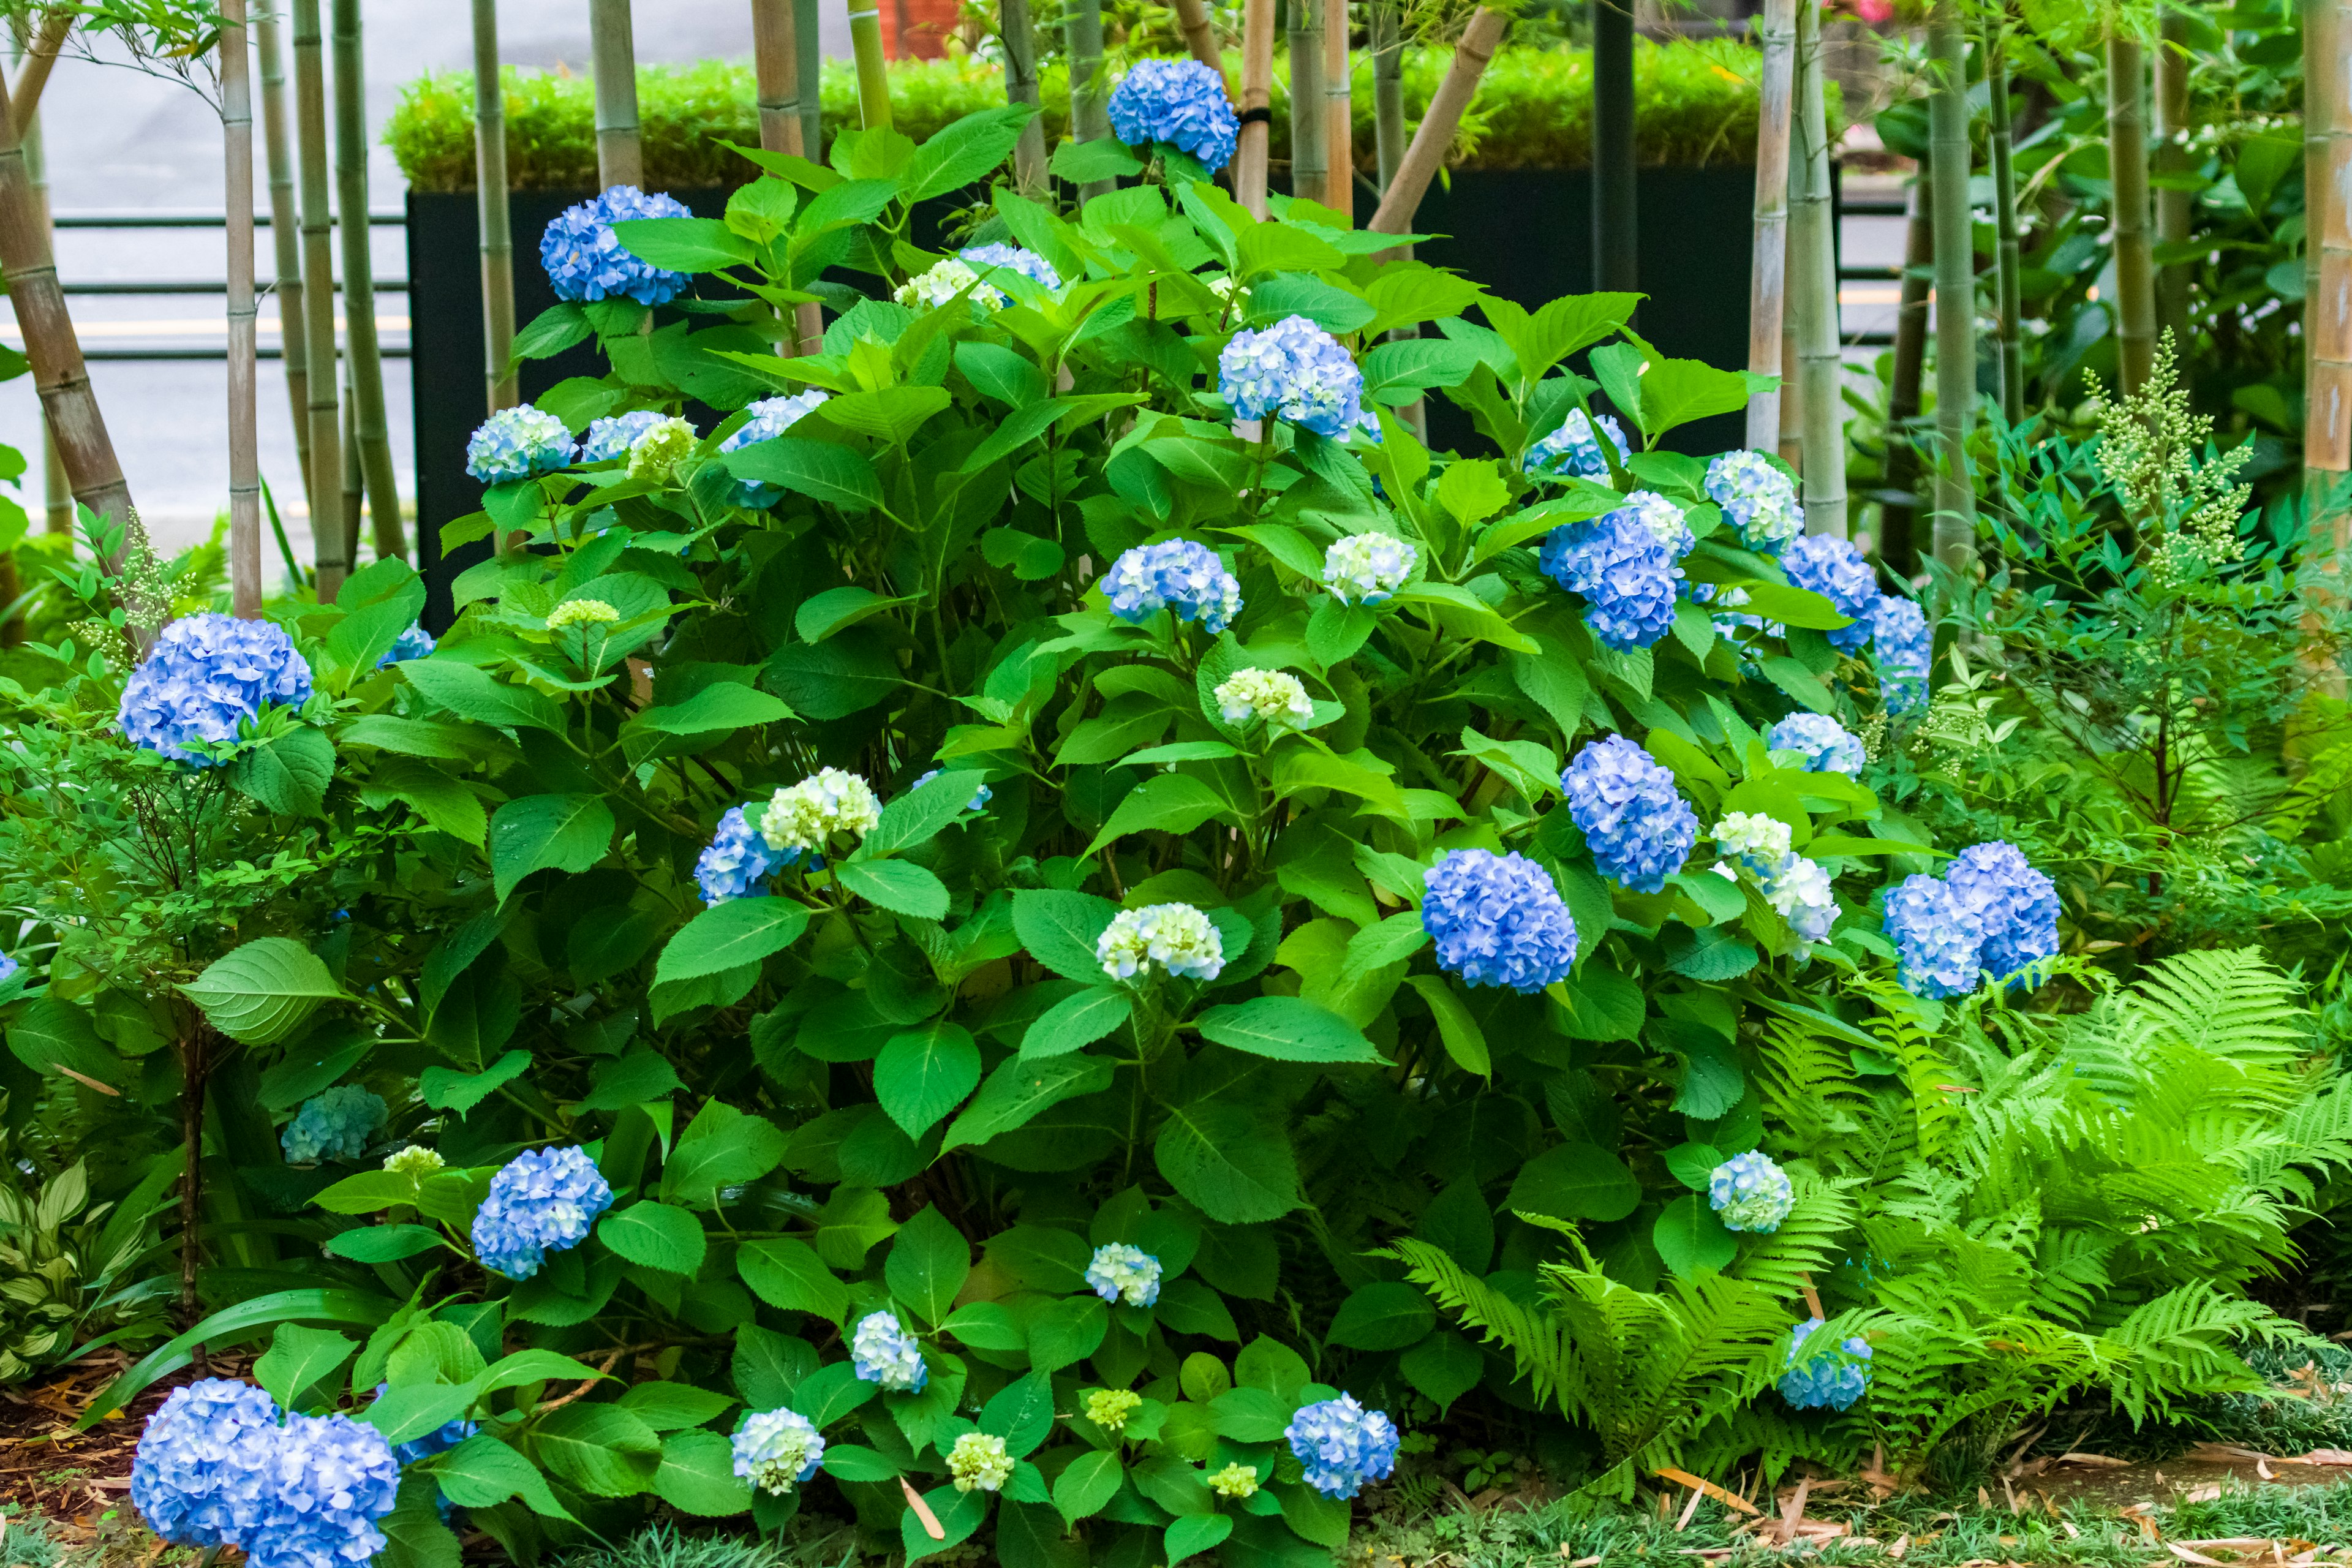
1366, 568
1754, 839
1797, 888
1177, 937
806, 815
656, 453
979, 1462
582, 613
1266, 694
945, 280
414, 1160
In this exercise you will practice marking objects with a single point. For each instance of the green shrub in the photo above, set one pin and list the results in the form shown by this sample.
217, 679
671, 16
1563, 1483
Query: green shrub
1694, 105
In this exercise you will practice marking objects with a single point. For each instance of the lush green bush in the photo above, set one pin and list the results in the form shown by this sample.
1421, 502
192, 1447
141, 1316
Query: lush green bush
1696, 105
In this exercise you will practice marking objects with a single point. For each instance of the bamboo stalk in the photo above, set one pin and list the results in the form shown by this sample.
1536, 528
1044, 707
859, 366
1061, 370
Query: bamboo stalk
365, 374
1387, 41
1898, 543
1338, 113
40, 58
1956, 325
57, 494
775, 52
2128, 164
1251, 154
244, 410
354, 486
1792, 396
490, 202
1089, 103
873, 69
1768, 269
1020, 35
331, 560
59, 375
285, 234
1309, 131
1616, 256
1200, 36
2008, 262
612, 53
1434, 135
2173, 205
808, 45
2327, 307
1812, 268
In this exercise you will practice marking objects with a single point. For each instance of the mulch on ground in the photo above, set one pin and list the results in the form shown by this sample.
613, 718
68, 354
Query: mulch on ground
80, 1481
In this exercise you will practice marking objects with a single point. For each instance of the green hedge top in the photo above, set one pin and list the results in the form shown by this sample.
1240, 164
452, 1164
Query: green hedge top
1694, 105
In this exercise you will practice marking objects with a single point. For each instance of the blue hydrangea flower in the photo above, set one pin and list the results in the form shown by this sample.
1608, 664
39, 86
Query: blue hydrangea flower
2016, 906
1342, 1444
9, 967
737, 862
1757, 498
770, 417
881, 1350
1833, 1380
206, 675
585, 260
517, 443
775, 1450
1662, 518
1180, 103
329, 1480
1835, 570
1905, 650
1574, 450
610, 438
413, 643
1937, 938
440, 1440
1625, 573
980, 797
1118, 1272
1827, 746
1293, 370
201, 1474
543, 1201
337, 1125
1013, 259
1639, 829
1174, 575
1497, 921
1749, 1192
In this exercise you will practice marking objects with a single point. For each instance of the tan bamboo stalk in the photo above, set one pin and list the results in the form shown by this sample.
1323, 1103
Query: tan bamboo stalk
1812, 277
2327, 305
1898, 543
244, 384
491, 202
1020, 35
2009, 258
2127, 164
1768, 268
1956, 322
364, 375
2170, 125
57, 495
1338, 113
347, 516
1309, 131
1386, 36
331, 560
775, 53
613, 51
1434, 135
59, 376
1089, 99
1200, 36
40, 58
284, 232
1793, 397
873, 69
1251, 153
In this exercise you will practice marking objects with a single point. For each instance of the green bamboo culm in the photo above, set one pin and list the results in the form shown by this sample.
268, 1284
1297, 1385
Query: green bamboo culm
776, 47
1020, 37
1089, 103
1387, 38
2009, 258
613, 51
2128, 164
498, 378
285, 235
329, 556
1812, 287
1956, 322
2173, 203
873, 69
1309, 158
1898, 540
244, 402
1616, 251
808, 49
365, 374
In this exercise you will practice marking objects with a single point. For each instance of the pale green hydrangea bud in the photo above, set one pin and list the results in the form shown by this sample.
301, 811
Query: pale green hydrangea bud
581, 612
414, 1160
1266, 694
656, 453
978, 1462
806, 815
1109, 1408
1236, 1480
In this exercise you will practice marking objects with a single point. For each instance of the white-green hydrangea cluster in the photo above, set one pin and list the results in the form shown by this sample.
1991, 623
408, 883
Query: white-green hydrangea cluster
414, 1160
945, 280
1109, 1408
1266, 694
1236, 1480
1366, 568
666, 444
979, 1463
806, 815
1177, 937
1754, 840
582, 613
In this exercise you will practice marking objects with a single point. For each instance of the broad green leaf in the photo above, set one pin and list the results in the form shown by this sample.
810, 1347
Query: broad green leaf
822, 470
1059, 929
1457, 1026
697, 1476
1165, 803
1575, 1180
675, 1406
482, 1472
288, 773
547, 832
683, 244
928, 1262
383, 1243
601, 1449
1385, 1315
787, 1273
1195, 1533
1443, 1367
656, 1235
446, 1088
899, 886
1232, 1166
1690, 1238
922, 1074
260, 993
53, 1037
297, 1358
1087, 1484
892, 415
1019, 1090
719, 707
729, 935
1289, 1030
1076, 1021
473, 693
822, 615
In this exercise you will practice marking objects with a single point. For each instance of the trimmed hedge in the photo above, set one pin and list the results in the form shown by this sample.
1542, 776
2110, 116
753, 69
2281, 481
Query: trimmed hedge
1695, 106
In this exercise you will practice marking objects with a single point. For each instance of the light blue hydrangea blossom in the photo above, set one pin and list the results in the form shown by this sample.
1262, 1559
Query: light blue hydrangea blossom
413, 643
9, 967
1835, 570
777, 1450
199, 1476
1826, 746
1342, 1444
1368, 568
206, 675
585, 260
1174, 575
545, 1201
1180, 103
1293, 370
1497, 921
1831, 1380
1638, 826
1758, 500
1905, 649
1013, 259
980, 797
1799, 888
517, 443
1749, 1192
770, 417
737, 862
1118, 1272
2015, 905
1574, 450
611, 437
329, 1480
883, 1352
1662, 518
1625, 573
1938, 939
339, 1124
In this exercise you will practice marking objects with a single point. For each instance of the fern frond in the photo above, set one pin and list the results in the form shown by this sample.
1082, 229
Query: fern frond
1534, 1341
1810, 1242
